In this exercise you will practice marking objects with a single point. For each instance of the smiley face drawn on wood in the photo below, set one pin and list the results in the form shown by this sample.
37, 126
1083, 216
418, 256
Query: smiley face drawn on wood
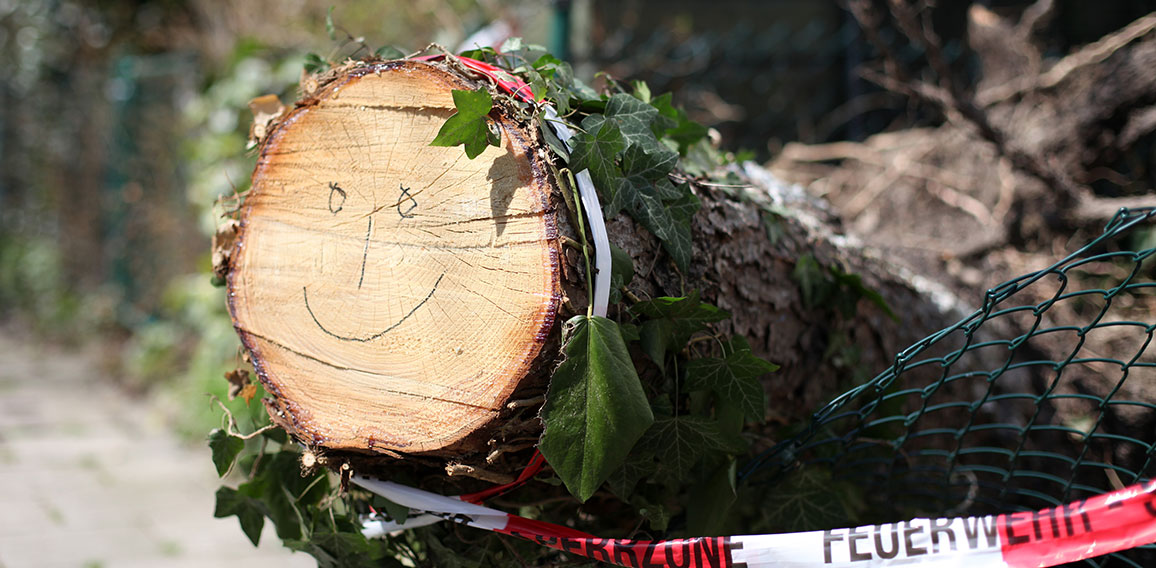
377, 276
411, 204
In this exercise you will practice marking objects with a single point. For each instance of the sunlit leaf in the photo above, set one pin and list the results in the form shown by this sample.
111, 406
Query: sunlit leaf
597, 150
469, 126
595, 409
634, 118
652, 166
510, 45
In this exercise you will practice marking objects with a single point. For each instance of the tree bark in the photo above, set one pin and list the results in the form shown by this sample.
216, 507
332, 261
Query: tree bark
401, 299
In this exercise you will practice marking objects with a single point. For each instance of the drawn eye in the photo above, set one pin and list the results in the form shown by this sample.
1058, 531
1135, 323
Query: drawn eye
336, 197
398, 292
407, 201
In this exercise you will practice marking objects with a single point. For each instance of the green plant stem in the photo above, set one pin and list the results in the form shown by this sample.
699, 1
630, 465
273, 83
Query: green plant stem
573, 184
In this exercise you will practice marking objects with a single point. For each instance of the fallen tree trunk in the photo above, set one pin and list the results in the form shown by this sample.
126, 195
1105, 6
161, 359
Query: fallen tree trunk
399, 299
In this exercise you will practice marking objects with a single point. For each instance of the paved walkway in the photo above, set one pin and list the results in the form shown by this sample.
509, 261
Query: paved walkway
87, 479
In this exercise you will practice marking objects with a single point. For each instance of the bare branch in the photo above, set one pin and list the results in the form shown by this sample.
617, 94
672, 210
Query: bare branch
1090, 55
231, 423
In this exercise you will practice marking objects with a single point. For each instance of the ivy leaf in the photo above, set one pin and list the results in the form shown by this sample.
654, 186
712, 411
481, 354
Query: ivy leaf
444, 556
552, 141
667, 220
511, 45
638, 466
710, 501
595, 409
734, 378
700, 159
681, 441
810, 500
677, 126
340, 545
596, 150
562, 87
481, 54
629, 331
651, 166
633, 117
676, 237
276, 435
394, 511
656, 338
813, 281
655, 513
731, 419
668, 192
539, 86
549, 66
623, 193
671, 322
853, 283
468, 126
284, 492
225, 449
315, 63
248, 510
689, 309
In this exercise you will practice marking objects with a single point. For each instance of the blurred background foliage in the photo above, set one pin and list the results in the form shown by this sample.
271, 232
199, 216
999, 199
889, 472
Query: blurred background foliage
123, 122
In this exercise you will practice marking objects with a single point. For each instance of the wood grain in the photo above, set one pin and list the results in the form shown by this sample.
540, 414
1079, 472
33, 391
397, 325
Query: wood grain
392, 294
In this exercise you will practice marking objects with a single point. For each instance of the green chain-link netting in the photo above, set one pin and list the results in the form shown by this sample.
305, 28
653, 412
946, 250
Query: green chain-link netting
1044, 395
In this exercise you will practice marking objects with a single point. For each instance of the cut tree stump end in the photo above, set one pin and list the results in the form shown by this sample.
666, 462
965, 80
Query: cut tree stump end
393, 294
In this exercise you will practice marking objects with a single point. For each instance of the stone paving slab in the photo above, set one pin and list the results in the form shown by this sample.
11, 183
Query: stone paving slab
87, 481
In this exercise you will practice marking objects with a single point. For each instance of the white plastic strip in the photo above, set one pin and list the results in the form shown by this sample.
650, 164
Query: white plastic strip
1029, 539
422, 500
426, 509
593, 210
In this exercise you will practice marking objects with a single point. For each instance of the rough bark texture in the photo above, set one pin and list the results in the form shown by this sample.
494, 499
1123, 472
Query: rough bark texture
748, 242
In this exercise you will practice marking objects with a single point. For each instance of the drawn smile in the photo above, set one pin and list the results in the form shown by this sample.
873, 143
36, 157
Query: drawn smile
336, 202
305, 295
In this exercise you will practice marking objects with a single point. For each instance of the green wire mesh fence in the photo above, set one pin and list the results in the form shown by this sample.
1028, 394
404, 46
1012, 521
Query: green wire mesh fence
1044, 395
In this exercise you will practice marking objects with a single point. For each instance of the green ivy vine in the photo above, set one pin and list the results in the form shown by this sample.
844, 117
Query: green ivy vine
649, 409
646, 440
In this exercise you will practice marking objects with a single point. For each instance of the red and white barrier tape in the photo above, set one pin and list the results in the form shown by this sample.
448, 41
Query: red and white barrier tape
1083, 529
1031, 539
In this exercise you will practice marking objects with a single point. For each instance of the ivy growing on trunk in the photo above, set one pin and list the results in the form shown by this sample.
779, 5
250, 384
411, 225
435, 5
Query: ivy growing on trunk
665, 441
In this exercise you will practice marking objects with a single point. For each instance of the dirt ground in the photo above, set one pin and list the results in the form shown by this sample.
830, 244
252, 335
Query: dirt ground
90, 477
